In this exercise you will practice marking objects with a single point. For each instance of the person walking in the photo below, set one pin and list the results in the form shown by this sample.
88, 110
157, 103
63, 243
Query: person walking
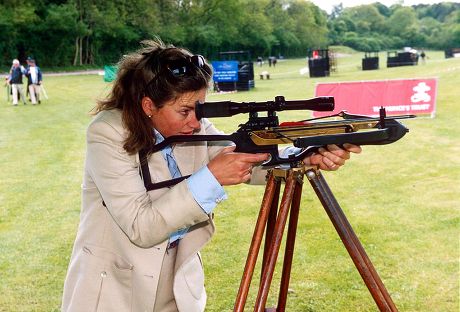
15, 80
34, 76
423, 56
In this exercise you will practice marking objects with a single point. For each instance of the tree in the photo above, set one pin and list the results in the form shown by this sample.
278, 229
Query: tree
403, 23
17, 19
449, 34
367, 18
211, 25
65, 32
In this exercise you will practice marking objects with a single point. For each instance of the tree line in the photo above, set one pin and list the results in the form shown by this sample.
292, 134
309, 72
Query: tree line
376, 27
96, 32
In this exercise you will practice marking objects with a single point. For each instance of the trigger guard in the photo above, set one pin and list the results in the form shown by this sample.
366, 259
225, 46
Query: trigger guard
275, 161
266, 163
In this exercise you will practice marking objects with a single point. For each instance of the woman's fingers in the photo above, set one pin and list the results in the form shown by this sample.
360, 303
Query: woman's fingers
352, 148
332, 157
233, 168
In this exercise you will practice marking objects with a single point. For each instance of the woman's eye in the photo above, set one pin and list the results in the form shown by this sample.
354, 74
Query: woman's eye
185, 112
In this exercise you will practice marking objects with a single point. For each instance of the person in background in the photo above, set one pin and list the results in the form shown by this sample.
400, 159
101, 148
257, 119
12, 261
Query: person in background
15, 80
259, 61
138, 247
423, 56
34, 77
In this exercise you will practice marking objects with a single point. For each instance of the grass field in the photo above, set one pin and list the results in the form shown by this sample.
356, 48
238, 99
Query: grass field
401, 199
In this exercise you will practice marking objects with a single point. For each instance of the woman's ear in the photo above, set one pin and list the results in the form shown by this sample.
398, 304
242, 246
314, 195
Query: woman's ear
147, 106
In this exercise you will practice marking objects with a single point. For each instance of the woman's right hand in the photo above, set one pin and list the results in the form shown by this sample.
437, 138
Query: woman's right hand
230, 168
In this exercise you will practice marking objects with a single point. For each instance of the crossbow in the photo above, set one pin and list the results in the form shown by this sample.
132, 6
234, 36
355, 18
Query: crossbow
263, 134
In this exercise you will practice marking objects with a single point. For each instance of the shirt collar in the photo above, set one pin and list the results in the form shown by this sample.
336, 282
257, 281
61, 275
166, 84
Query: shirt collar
158, 136
158, 139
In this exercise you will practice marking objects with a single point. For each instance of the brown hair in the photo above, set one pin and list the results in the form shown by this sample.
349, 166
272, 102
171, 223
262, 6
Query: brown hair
144, 73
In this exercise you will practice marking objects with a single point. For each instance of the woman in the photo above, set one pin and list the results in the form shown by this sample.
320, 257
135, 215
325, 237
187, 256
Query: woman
138, 250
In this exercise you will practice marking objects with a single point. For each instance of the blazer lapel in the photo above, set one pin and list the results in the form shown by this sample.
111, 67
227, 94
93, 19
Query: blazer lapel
158, 168
184, 153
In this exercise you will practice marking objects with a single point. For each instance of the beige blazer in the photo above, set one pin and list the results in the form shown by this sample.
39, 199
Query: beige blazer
119, 248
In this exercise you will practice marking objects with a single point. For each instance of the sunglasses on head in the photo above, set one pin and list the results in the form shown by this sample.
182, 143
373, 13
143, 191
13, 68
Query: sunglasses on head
179, 68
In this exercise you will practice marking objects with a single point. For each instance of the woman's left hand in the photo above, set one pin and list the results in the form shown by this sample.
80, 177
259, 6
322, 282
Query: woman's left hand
332, 157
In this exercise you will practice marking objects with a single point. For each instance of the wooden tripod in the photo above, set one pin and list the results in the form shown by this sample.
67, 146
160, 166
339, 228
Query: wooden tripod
273, 220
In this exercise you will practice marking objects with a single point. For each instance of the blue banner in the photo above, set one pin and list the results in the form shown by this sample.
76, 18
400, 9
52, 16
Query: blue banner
225, 71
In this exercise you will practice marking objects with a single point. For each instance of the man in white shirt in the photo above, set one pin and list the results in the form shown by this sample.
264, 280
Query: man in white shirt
15, 80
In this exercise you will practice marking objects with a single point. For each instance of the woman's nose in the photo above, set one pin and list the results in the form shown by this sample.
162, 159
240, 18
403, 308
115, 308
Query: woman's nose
194, 123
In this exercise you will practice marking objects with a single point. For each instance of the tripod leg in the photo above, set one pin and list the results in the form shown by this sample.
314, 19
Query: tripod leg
351, 242
270, 226
289, 249
270, 190
272, 255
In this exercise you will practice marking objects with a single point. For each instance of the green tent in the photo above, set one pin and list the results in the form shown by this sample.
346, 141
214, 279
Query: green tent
110, 73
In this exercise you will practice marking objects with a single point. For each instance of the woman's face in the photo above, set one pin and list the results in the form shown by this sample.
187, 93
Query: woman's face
177, 117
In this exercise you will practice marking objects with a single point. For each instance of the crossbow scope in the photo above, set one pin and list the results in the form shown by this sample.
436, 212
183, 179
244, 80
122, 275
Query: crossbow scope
229, 108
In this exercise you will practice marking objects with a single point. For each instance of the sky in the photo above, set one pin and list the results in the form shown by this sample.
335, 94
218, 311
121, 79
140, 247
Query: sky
328, 4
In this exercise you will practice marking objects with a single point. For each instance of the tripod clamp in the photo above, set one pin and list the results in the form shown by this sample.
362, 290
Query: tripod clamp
299, 171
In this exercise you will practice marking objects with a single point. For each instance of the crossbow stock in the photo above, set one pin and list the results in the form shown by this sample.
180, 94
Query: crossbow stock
263, 134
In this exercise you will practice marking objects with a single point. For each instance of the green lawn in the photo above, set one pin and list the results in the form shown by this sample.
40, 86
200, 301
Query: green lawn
401, 199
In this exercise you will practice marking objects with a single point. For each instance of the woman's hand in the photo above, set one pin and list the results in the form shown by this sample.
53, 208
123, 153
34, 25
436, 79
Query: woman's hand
332, 157
230, 168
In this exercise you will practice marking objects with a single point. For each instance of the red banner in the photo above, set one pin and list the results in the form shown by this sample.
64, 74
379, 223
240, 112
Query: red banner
399, 97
